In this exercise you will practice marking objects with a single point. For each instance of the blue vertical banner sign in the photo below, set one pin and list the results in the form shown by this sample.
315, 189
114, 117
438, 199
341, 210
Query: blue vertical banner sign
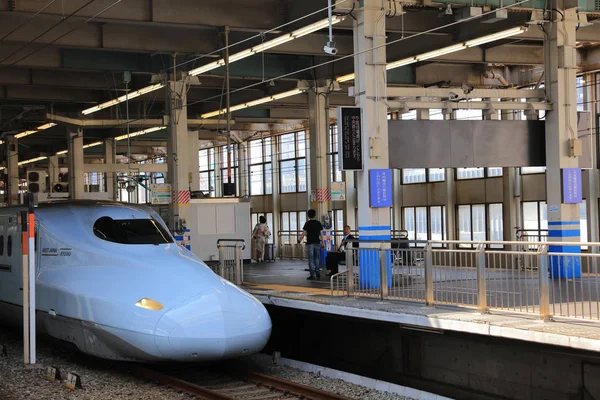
380, 188
571, 186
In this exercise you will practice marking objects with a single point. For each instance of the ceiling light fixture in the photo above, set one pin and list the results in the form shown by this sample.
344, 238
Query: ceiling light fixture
125, 97
252, 103
36, 130
446, 50
288, 37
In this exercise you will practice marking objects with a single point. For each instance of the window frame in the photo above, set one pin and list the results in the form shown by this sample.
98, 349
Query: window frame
299, 157
264, 144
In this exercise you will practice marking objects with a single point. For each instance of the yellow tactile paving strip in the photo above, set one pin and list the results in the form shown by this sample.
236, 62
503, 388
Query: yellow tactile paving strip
284, 288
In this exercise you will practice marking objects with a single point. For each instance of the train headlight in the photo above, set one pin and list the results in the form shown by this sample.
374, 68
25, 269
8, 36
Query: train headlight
149, 304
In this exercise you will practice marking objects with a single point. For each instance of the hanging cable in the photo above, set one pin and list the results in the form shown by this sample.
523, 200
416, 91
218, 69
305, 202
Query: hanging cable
67, 33
28, 20
45, 32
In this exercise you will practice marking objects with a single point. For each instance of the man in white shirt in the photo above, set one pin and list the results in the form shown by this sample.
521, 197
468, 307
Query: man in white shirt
334, 257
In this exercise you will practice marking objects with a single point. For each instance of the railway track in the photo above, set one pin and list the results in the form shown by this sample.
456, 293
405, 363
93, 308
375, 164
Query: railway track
246, 385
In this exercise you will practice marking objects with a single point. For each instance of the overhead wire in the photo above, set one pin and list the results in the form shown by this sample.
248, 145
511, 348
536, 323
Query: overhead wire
67, 33
45, 32
27, 21
352, 55
257, 36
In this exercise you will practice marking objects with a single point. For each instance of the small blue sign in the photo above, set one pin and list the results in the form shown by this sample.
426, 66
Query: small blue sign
380, 184
571, 186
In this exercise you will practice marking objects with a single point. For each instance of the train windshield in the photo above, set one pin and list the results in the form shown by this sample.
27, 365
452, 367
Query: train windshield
131, 231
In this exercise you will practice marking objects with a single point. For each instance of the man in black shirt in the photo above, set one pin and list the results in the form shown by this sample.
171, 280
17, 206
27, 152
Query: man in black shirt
312, 230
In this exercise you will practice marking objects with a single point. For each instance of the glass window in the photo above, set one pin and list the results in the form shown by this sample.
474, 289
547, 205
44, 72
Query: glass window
580, 88
436, 114
471, 223
437, 220
535, 218
583, 236
414, 175
336, 172
287, 173
495, 224
411, 115
437, 174
292, 164
260, 167
469, 114
207, 171
409, 222
469, 173
257, 186
9, 246
495, 171
131, 231
532, 170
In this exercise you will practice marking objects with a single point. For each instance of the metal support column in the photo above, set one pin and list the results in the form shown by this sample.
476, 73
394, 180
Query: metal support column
76, 172
109, 158
244, 167
12, 170
320, 170
370, 69
561, 131
180, 166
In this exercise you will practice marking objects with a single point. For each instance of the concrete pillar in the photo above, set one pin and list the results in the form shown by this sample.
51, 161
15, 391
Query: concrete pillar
243, 168
193, 165
276, 192
369, 33
561, 127
53, 171
350, 211
12, 170
75, 157
218, 177
318, 115
590, 97
450, 194
109, 158
178, 151
397, 214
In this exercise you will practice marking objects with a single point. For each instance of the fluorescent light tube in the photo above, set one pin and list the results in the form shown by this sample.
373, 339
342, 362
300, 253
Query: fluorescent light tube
401, 63
495, 36
440, 52
32, 160
36, 130
120, 99
139, 133
346, 78
286, 94
87, 146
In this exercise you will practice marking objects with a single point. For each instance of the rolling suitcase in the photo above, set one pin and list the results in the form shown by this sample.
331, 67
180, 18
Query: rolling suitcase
269, 254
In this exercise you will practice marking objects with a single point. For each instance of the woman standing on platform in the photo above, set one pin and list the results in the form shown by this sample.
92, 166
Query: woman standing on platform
261, 234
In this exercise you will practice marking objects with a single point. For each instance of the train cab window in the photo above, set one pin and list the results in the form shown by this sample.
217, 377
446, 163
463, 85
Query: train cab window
9, 246
1, 245
131, 231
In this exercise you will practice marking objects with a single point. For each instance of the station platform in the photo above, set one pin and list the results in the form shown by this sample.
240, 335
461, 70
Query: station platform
284, 284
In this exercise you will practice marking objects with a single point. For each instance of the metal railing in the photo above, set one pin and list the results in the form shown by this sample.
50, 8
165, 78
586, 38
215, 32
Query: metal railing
231, 263
290, 249
542, 282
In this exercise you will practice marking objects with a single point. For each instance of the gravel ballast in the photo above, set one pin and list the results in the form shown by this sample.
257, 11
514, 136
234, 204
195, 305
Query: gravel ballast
110, 380
101, 380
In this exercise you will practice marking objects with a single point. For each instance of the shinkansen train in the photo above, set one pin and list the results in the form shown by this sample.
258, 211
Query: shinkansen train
111, 279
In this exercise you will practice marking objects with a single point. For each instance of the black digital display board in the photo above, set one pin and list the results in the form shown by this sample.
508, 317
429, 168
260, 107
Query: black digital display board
350, 138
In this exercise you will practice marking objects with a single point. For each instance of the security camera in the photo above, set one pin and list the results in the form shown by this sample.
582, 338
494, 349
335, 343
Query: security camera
452, 96
330, 48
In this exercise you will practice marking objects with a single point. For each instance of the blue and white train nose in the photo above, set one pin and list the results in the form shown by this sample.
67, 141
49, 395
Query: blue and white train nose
216, 324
